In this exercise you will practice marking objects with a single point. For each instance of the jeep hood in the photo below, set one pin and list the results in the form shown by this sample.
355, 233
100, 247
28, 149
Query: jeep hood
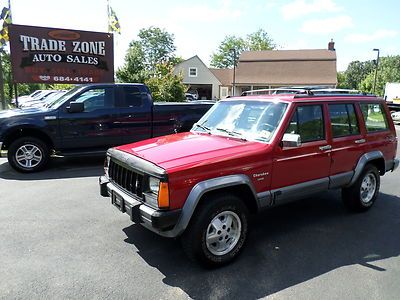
190, 148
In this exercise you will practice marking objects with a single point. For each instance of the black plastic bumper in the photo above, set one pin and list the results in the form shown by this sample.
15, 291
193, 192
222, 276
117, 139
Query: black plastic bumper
140, 213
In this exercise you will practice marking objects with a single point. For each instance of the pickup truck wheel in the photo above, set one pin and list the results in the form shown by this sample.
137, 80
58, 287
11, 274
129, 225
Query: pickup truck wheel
217, 232
28, 154
363, 193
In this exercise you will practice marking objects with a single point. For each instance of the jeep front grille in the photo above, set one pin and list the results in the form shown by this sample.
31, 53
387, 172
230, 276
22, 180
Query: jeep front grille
128, 179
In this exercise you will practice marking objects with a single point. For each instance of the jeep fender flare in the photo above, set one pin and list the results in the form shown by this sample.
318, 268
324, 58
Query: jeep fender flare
199, 190
362, 162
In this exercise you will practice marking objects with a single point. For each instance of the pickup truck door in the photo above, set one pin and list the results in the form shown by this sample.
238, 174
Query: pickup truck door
95, 127
136, 111
305, 169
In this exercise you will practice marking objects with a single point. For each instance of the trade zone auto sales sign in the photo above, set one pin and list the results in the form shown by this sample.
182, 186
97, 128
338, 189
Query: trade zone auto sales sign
51, 55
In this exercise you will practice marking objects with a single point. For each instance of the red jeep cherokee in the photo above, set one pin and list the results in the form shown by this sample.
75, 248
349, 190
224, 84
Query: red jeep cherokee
247, 154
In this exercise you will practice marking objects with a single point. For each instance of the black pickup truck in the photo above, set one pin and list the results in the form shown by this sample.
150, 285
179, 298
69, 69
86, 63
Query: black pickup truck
88, 120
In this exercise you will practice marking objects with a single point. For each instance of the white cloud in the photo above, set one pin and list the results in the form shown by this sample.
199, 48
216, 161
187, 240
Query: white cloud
299, 8
295, 45
329, 25
204, 13
377, 35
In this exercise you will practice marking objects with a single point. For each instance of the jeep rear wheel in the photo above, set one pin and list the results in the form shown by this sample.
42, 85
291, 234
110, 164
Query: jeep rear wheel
217, 231
28, 154
363, 193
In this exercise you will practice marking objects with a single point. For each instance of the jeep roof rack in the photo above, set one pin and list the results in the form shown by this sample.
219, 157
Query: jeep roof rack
334, 95
277, 91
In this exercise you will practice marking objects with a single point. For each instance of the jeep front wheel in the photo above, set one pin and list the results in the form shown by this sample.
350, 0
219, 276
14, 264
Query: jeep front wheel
217, 232
363, 193
28, 154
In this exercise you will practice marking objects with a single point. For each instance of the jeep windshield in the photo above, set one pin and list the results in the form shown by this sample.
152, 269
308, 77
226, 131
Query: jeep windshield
251, 120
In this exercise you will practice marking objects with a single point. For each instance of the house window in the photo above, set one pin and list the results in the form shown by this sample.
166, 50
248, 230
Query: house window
224, 92
192, 72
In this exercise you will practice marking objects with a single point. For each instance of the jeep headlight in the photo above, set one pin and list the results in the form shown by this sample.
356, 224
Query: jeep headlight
106, 165
154, 185
158, 193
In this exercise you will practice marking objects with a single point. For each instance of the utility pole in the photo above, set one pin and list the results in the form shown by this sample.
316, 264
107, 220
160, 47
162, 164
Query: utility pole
234, 71
376, 68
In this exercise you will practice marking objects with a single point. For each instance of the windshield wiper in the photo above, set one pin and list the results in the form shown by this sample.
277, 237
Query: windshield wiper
205, 128
232, 133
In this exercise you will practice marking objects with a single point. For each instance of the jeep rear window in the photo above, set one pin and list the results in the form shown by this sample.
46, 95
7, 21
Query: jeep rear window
246, 119
374, 117
343, 120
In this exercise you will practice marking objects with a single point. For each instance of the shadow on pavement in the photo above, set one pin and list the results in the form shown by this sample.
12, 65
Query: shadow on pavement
58, 168
287, 245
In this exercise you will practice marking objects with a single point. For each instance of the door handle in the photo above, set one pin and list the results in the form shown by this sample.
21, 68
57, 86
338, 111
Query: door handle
324, 148
360, 141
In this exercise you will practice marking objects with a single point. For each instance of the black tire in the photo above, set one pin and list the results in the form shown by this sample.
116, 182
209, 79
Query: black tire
215, 209
36, 158
362, 195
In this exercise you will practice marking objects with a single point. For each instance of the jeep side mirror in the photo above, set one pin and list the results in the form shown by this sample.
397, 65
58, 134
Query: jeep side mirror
75, 107
291, 140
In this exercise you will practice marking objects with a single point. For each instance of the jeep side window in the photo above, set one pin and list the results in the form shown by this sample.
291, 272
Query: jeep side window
308, 122
374, 117
98, 98
343, 120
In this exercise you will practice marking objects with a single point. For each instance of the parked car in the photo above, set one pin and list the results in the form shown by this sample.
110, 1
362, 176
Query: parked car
247, 154
43, 99
23, 101
396, 116
88, 120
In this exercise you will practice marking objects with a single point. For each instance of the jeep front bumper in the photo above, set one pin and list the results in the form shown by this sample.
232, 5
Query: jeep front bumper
159, 221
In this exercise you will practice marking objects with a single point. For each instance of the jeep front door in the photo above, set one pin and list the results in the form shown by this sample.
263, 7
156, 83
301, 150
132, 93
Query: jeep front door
302, 170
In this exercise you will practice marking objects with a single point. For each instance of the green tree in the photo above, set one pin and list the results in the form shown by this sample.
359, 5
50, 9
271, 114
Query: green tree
356, 72
341, 78
154, 46
224, 57
257, 41
9, 87
388, 71
134, 68
166, 86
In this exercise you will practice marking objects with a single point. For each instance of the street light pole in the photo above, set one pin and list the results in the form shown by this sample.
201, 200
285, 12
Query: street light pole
376, 68
234, 71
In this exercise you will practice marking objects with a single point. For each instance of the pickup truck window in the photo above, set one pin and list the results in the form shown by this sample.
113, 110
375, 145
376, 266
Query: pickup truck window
308, 122
246, 119
343, 120
374, 117
132, 97
98, 98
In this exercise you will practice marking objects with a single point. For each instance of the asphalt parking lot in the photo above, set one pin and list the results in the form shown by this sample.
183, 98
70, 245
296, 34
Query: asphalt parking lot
60, 239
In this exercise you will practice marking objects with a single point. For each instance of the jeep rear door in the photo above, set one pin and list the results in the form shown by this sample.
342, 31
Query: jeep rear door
302, 170
347, 141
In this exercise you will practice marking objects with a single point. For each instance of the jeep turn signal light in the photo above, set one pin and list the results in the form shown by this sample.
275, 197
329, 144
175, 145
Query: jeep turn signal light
163, 195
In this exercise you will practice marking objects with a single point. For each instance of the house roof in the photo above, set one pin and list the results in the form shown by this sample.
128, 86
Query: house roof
291, 55
287, 67
225, 76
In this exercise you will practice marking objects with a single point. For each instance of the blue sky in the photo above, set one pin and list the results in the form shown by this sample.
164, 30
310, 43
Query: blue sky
199, 26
